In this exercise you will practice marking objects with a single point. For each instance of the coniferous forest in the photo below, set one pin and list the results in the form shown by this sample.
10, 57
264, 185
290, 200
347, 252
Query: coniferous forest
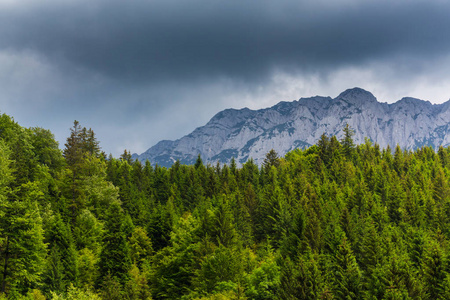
334, 221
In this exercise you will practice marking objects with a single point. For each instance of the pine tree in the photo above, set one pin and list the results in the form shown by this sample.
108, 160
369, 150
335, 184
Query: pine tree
348, 145
371, 252
233, 166
115, 256
347, 273
140, 246
22, 248
313, 210
398, 160
198, 162
174, 266
137, 286
90, 143
302, 279
434, 272
223, 224
59, 236
126, 156
271, 160
54, 279
73, 151
6, 171
325, 148
73, 154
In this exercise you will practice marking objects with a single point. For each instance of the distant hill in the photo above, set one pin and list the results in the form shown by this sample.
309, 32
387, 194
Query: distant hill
246, 133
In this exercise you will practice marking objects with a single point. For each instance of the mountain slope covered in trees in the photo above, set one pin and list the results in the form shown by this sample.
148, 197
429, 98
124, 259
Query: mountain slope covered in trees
333, 221
246, 133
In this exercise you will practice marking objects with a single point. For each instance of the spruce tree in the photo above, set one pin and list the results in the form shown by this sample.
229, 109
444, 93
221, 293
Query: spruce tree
73, 151
22, 248
347, 273
325, 148
434, 272
59, 235
271, 159
348, 146
115, 258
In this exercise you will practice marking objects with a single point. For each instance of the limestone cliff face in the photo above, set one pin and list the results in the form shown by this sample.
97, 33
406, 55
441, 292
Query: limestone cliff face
246, 133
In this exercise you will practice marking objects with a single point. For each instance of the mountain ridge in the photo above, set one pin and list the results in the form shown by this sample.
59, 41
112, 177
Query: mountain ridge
245, 133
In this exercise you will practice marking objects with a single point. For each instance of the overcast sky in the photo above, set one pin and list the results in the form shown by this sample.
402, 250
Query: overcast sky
138, 71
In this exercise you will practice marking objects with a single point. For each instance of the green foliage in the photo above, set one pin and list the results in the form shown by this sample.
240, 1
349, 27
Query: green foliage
137, 286
62, 264
271, 160
334, 221
115, 259
6, 171
347, 275
218, 271
264, 279
87, 268
88, 231
74, 293
46, 149
347, 142
302, 278
22, 248
174, 265
110, 288
434, 272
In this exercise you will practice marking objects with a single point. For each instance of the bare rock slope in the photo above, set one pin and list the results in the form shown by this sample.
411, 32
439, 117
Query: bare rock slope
246, 133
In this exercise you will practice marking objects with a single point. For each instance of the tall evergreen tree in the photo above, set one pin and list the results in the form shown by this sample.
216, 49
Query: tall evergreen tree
73, 151
115, 257
64, 272
348, 145
22, 248
271, 160
325, 148
347, 274
434, 272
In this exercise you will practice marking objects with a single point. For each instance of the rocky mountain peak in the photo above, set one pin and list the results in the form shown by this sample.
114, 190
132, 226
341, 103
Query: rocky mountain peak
407, 101
357, 96
246, 133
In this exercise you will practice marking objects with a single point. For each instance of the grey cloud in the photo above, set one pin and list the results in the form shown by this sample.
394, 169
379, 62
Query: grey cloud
140, 71
137, 41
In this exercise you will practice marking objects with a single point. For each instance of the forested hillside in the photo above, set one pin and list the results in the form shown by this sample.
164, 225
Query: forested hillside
334, 221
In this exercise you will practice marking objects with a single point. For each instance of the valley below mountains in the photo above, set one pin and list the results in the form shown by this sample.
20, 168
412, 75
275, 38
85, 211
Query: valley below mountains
245, 133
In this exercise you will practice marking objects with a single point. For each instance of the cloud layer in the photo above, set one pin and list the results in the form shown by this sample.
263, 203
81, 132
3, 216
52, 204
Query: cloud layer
140, 71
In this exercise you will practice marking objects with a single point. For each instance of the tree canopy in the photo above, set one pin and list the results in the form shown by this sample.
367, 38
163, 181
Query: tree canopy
333, 221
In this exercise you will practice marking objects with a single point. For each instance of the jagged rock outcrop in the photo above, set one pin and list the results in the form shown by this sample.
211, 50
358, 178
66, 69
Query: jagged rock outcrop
246, 133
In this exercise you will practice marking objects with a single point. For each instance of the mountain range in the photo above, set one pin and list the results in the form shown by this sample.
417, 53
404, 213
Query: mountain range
245, 133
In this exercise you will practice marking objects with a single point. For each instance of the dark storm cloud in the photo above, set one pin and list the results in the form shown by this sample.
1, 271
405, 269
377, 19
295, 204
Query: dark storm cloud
164, 40
141, 71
